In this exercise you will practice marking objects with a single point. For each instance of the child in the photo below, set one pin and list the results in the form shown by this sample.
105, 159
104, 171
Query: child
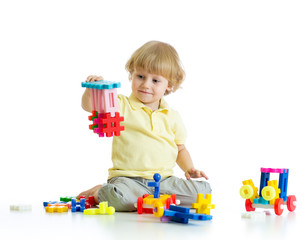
154, 135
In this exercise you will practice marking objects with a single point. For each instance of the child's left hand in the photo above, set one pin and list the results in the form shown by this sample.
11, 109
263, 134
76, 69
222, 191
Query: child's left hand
194, 173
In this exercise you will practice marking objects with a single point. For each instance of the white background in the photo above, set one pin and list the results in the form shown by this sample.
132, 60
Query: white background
244, 100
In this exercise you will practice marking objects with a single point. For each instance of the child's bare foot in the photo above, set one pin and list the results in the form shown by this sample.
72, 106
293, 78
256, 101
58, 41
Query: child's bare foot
91, 192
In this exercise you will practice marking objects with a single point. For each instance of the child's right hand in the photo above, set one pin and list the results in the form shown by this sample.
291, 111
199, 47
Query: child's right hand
93, 78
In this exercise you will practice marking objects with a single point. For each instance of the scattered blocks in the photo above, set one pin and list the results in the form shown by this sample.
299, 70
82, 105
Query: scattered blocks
102, 210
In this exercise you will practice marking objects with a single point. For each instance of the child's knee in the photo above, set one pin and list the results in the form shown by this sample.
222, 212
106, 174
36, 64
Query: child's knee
205, 188
119, 196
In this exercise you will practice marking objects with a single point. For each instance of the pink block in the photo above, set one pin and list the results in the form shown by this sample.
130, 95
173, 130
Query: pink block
110, 98
272, 170
93, 101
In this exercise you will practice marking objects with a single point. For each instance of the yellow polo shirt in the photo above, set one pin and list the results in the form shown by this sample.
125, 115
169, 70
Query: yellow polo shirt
148, 144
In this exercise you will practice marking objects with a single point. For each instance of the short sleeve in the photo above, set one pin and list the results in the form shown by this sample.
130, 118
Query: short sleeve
179, 129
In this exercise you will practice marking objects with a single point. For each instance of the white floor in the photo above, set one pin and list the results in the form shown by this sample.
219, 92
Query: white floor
37, 224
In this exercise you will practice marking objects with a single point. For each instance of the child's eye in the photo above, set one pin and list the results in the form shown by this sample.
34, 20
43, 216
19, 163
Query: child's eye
141, 76
156, 81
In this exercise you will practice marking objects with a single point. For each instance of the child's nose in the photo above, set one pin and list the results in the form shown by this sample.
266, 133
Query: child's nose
147, 83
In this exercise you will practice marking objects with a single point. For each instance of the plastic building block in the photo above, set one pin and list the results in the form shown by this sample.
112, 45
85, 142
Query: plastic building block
109, 125
66, 199
273, 170
104, 97
102, 84
260, 200
254, 215
203, 205
56, 208
45, 204
102, 210
179, 214
248, 206
21, 207
265, 177
78, 206
283, 184
155, 184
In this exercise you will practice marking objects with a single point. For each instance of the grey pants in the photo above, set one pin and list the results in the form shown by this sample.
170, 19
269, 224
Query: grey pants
123, 192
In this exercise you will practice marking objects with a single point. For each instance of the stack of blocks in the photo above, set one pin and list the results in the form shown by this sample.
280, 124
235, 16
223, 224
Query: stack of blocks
171, 212
272, 194
82, 205
105, 114
146, 202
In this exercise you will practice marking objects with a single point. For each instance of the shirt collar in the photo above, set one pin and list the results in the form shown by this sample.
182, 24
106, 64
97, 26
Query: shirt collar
136, 104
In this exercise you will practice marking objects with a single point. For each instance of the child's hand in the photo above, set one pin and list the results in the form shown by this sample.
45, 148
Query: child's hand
91, 192
93, 78
194, 173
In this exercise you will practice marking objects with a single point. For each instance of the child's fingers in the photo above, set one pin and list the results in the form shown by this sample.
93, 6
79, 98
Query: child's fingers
187, 175
93, 78
204, 175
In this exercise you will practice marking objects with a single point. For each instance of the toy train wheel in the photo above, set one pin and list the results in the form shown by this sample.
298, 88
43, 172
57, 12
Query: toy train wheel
139, 205
248, 206
278, 206
158, 209
291, 203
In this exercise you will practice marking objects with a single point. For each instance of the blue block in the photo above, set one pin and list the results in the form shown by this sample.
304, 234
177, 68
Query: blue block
52, 202
178, 209
283, 184
265, 177
179, 220
78, 206
100, 85
181, 214
155, 184
260, 200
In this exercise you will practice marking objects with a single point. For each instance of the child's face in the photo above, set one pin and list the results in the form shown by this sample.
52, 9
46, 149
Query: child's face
149, 88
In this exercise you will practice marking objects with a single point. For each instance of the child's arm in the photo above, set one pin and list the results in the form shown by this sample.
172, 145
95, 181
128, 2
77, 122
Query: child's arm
86, 97
185, 163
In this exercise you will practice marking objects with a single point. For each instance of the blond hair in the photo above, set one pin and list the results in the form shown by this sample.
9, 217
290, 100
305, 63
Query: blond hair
158, 58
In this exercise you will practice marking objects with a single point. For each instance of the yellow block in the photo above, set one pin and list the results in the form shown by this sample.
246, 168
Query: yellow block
203, 205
